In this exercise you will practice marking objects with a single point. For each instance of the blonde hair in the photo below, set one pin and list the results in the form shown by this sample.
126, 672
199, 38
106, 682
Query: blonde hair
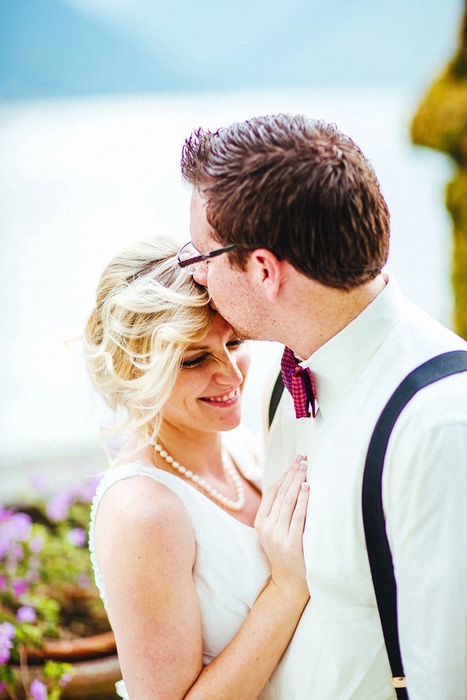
147, 312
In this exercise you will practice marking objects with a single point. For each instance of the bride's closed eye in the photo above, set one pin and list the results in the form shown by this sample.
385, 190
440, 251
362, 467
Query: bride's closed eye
196, 361
186, 364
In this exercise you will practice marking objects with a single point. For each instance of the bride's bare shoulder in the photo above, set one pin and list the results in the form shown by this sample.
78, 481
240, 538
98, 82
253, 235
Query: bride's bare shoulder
143, 505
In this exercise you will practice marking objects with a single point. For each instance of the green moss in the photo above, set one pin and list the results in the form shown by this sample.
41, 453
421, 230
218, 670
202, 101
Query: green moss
456, 199
441, 123
441, 119
459, 281
458, 67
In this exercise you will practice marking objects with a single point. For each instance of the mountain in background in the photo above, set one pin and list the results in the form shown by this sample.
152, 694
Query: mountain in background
54, 48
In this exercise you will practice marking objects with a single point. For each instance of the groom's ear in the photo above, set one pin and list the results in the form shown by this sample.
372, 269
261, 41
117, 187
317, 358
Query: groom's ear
268, 271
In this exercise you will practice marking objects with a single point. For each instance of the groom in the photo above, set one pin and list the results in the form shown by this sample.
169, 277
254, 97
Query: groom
292, 232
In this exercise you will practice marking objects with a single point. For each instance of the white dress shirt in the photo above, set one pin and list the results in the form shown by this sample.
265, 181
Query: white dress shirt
338, 652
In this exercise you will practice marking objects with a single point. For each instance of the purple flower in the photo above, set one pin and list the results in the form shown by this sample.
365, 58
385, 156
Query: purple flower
19, 587
21, 526
57, 507
36, 544
66, 678
83, 580
5, 646
4, 513
7, 632
34, 566
38, 690
16, 551
39, 481
77, 536
7, 629
33, 576
4, 544
89, 489
26, 614
14, 527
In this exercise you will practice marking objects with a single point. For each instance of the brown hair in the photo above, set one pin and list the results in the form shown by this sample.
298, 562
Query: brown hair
296, 186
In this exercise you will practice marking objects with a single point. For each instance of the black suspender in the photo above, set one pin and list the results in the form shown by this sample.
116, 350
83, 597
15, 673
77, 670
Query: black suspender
379, 553
275, 397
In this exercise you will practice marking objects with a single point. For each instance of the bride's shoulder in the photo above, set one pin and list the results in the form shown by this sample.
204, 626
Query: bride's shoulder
134, 499
140, 524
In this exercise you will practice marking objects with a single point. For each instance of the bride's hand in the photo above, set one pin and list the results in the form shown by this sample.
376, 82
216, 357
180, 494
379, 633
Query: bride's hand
279, 523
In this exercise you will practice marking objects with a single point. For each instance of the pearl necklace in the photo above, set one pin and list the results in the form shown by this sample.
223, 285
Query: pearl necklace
205, 485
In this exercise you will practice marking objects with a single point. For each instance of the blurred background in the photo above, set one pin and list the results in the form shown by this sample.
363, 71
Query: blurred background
96, 99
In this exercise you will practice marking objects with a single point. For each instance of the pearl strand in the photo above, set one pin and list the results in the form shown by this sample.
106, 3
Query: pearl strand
205, 485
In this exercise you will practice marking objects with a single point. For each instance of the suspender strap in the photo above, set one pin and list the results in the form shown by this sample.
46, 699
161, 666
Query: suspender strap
379, 553
275, 398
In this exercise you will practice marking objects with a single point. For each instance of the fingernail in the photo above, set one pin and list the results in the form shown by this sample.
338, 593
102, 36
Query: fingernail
303, 466
305, 486
300, 457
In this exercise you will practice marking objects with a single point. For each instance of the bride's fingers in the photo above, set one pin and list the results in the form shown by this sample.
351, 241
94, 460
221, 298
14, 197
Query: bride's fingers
286, 501
297, 521
269, 497
277, 488
283, 492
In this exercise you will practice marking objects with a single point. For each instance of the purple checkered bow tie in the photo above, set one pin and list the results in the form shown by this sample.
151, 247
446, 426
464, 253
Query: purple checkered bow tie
299, 381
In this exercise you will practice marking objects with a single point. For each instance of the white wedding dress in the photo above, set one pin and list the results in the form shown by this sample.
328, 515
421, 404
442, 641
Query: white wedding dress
231, 568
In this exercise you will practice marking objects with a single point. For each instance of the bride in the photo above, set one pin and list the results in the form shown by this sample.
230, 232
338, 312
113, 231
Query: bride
203, 582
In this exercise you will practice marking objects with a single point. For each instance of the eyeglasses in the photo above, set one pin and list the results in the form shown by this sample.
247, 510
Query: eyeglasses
189, 258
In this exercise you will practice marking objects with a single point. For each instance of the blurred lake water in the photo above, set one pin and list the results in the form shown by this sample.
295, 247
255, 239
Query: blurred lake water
80, 179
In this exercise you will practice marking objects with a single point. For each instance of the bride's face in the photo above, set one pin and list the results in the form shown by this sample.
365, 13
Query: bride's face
207, 394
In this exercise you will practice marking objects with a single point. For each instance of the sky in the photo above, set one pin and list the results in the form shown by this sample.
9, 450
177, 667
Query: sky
54, 48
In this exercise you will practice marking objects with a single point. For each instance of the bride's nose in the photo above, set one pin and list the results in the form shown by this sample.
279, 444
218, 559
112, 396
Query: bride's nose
229, 373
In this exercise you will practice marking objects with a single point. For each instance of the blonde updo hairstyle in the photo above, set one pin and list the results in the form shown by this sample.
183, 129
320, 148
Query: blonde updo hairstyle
147, 312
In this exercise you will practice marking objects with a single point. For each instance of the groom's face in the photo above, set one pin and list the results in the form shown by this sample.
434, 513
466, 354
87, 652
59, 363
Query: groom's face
230, 288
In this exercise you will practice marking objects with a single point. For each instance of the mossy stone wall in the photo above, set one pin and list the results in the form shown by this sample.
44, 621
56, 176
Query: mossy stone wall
441, 123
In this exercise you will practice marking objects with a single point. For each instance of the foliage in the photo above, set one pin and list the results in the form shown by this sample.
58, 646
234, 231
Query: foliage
441, 123
46, 588
441, 119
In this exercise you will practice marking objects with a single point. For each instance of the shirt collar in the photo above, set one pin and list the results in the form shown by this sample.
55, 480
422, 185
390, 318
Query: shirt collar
342, 357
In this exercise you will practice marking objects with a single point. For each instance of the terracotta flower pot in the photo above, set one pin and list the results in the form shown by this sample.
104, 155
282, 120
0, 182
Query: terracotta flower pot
94, 660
